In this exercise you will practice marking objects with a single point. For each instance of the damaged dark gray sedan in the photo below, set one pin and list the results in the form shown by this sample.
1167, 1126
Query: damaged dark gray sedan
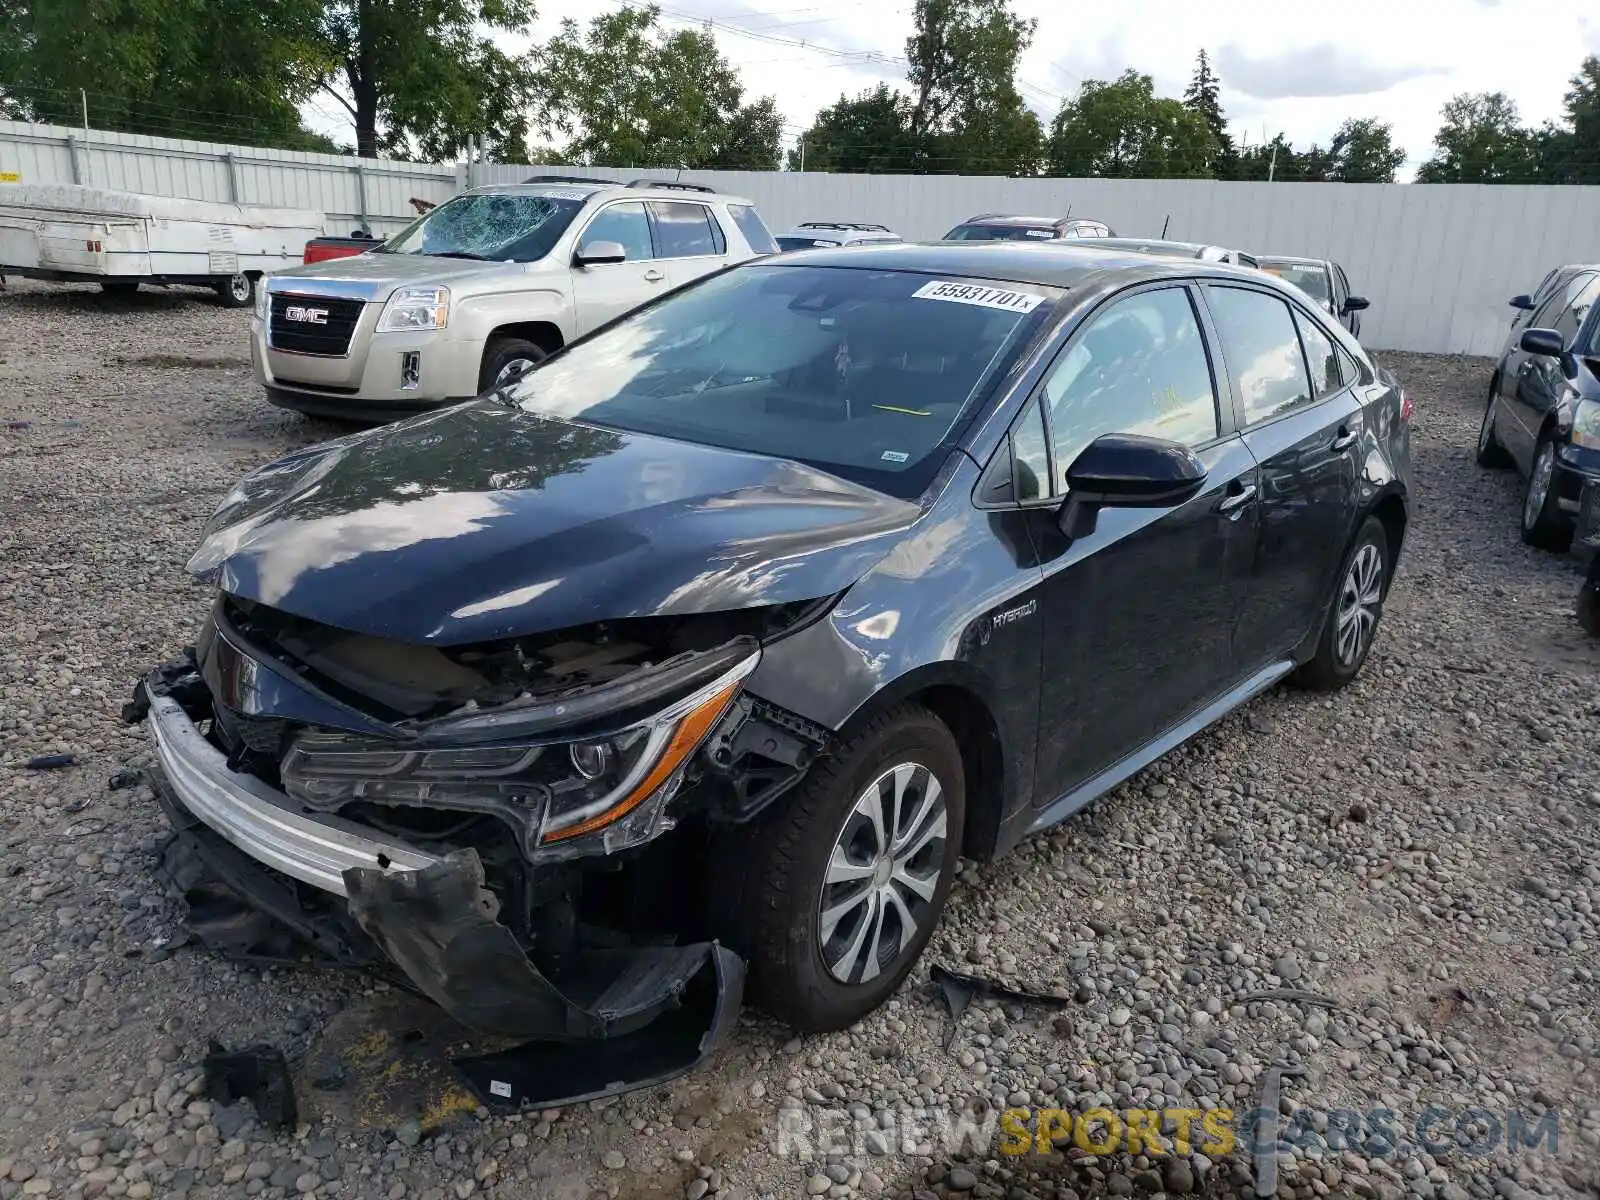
714, 642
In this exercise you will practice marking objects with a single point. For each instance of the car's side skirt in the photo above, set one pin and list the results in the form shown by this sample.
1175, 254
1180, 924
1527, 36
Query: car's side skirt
1062, 808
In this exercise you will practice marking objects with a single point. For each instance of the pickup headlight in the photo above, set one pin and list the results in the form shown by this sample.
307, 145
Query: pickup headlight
417, 307
263, 299
566, 798
1586, 425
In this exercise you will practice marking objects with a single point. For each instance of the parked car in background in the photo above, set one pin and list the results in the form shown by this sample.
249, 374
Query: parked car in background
322, 249
999, 227
1543, 411
1527, 303
811, 235
480, 288
1168, 249
722, 637
1325, 282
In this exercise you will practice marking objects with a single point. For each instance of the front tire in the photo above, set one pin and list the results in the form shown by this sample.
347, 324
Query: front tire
840, 888
507, 359
1542, 523
1353, 616
1491, 454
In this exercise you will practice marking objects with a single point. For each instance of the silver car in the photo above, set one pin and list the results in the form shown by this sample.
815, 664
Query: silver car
809, 235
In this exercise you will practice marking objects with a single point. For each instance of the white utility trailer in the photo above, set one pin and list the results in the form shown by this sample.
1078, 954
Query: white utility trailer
70, 233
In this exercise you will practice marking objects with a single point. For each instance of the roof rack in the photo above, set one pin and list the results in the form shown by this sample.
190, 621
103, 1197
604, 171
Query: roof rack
858, 225
985, 216
672, 184
568, 179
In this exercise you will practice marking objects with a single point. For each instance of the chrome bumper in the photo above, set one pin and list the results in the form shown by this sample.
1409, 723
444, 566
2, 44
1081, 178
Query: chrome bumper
261, 821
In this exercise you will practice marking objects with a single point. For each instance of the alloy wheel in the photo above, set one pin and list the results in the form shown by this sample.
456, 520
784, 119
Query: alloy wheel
883, 873
1360, 597
1544, 468
239, 288
512, 370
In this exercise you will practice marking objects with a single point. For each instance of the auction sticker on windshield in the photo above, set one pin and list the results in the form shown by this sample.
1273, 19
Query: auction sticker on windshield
984, 297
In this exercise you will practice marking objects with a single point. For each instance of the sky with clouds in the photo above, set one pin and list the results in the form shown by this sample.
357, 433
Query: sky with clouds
1299, 69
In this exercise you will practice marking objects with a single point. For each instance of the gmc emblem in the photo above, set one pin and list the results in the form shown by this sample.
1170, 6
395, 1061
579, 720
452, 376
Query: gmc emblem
309, 316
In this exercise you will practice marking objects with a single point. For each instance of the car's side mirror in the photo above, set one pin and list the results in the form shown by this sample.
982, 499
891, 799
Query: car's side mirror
1356, 303
593, 253
1523, 302
1543, 341
1127, 470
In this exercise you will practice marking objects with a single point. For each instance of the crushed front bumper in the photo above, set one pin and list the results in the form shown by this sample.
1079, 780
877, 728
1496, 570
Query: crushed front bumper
244, 854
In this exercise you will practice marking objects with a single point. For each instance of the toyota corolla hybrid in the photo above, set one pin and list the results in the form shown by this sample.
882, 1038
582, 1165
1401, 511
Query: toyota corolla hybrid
700, 654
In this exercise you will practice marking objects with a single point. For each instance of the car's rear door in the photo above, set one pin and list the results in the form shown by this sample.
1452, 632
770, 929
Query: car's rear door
689, 239
602, 291
1305, 428
1137, 615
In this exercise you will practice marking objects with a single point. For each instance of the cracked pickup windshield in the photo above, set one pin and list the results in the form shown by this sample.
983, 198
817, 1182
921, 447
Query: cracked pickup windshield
494, 228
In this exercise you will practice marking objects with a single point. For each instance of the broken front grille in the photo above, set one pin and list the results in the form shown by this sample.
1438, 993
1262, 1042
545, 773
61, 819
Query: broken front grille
313, 324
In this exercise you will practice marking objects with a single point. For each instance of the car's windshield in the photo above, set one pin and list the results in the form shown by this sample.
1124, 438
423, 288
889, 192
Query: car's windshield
494, 227
863, 372
787, 243
1310, 278
1000, 233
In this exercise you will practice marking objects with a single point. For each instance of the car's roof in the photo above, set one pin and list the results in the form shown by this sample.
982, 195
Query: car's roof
1048, 264
1149, 244
574, 187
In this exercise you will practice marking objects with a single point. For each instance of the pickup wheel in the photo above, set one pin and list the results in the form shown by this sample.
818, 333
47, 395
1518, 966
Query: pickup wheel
506, 359
235, 291
833, 894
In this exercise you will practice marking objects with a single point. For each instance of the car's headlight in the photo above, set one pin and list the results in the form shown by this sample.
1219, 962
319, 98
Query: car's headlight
416, 307
566, 798
1586, 425
263, 299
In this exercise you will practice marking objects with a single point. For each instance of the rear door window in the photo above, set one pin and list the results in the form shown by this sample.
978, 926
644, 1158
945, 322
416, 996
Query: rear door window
1322, 356
1577, 300
1263, 351
686, 230
754, 228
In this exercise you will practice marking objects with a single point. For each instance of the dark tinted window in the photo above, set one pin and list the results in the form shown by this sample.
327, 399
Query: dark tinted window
625, 224
869, 374
1138, 366
1032, 455
804, 243
1576, 302
1000, 233
685, 230
1322, 356
1263, 351
754, 228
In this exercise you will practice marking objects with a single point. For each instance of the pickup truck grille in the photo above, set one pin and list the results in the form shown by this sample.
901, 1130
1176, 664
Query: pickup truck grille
313, 324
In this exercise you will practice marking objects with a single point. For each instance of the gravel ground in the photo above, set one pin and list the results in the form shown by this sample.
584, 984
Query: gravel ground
1414, 854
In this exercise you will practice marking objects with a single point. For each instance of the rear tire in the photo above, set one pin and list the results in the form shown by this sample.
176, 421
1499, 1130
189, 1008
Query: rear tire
1491, 454
1353, 615
120, 288
807, 899
505, 360
235, 291
1542, 523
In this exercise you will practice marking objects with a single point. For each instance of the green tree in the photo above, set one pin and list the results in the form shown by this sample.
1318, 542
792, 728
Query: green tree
1274, 160
422, 77
217, 70
868, 134
1569, 151
1203, 97
627, 93
1481, 141
1363, 151
1122, 129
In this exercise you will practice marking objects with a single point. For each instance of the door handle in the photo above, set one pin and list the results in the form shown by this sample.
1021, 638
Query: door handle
1344, 441
653, 276
1237, 500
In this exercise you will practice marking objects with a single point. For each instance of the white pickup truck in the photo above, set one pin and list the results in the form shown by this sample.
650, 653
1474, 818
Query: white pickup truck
70, 233
483, 287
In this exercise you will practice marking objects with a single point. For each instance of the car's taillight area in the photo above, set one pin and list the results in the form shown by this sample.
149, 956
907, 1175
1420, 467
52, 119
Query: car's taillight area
1405, 406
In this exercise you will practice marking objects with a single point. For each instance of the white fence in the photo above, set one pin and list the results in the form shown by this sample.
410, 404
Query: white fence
1438, 262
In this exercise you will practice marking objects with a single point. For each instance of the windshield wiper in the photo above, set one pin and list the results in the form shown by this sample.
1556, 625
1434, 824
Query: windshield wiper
457, 254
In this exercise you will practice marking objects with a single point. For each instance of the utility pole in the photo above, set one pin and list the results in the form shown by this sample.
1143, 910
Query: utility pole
802, 153
1272, 163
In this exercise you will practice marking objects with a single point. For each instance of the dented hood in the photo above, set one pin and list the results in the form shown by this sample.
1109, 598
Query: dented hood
485, 521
